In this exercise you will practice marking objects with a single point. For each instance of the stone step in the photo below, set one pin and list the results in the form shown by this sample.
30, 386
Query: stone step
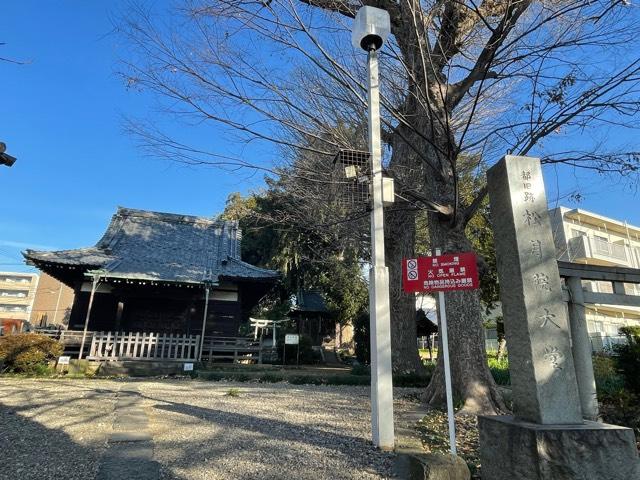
139, 368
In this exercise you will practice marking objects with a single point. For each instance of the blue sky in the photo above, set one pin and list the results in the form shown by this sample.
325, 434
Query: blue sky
62, 116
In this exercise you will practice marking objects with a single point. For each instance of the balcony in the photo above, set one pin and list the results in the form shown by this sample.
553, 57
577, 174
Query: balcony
587, 249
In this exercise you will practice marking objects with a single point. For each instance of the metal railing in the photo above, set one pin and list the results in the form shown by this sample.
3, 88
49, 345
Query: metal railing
608, 249
584, 246
606, 343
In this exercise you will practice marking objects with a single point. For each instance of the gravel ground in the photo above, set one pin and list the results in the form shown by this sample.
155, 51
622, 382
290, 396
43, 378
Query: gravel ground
53, 429
275, 431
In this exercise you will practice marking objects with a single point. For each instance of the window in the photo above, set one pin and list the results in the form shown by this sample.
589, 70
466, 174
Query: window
14, 293
12, 308
605, 287
578, 233
15, 279
611, 329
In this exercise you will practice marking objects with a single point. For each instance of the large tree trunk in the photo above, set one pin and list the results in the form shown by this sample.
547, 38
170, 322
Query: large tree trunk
473, 385
400, 238
399, 243
436, 180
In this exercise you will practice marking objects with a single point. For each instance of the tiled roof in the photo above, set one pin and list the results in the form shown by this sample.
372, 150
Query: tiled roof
161, 246
310, 301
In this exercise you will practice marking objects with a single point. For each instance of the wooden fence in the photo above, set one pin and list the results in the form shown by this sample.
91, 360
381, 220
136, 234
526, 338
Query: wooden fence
237, 349
143, 346
155, 346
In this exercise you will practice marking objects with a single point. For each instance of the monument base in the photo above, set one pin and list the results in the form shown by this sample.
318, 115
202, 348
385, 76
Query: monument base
511, 449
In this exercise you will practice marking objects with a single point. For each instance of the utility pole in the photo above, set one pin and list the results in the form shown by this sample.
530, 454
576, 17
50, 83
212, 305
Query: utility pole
371, 28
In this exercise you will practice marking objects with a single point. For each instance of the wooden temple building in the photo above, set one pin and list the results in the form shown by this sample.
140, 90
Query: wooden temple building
314, 319
161, 274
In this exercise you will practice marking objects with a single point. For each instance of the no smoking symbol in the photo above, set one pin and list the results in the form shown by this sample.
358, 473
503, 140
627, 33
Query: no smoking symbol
412, 269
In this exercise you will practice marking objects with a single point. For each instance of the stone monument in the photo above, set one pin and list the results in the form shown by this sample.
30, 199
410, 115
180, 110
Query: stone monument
547, 437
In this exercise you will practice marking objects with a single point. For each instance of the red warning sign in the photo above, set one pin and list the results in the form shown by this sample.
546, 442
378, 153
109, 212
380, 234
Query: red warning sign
442, 273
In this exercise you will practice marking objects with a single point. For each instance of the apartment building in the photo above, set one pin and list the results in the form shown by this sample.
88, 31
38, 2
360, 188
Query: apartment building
52, 303
586, 237
17, 291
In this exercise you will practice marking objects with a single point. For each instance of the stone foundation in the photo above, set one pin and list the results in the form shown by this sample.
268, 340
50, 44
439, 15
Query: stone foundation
511, 449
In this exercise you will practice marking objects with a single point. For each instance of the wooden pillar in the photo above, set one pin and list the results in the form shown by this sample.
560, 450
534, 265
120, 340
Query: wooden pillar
204, 322
86, 320
581, 349
119, 310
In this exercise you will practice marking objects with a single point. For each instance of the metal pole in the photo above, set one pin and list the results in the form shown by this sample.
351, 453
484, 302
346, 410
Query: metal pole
55, 312
447, 370
381, 373
86, 320
204, 322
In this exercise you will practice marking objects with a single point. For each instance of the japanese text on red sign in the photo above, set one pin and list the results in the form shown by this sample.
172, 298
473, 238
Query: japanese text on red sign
441, 273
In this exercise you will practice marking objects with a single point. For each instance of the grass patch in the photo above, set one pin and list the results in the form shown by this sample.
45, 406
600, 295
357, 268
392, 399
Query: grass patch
500, 370
233, 392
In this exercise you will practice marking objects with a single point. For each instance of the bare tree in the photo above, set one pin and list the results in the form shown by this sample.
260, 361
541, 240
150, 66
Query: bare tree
461, 78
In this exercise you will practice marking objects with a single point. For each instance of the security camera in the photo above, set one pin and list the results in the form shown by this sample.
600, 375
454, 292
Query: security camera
371, 28
5, 158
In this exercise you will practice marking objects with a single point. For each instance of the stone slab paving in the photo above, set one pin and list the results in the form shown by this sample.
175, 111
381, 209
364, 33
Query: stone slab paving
130, 445
179, 429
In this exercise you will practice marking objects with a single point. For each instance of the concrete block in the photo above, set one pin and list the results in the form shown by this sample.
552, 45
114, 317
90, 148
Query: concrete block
512, 449
414, 465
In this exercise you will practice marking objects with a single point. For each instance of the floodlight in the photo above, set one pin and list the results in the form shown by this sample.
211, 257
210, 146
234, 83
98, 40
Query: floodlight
371, 28
350, 171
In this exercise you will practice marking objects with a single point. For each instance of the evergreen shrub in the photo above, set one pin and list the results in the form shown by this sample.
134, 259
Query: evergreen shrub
627, 357
28, 353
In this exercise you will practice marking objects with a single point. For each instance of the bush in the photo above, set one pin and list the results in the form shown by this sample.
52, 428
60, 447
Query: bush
621, 408
632, 333
361, 338
627, 358
361, 370
28, 353
608, 381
